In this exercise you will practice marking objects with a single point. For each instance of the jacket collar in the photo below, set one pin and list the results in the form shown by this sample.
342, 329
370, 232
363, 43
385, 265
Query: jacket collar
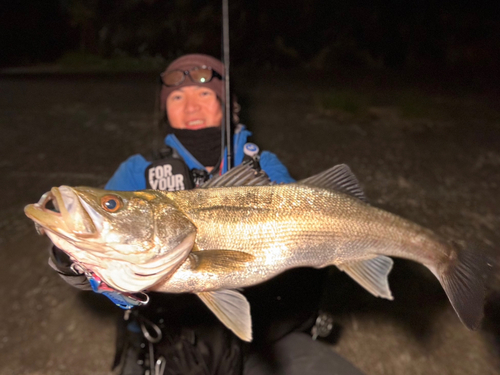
171, 140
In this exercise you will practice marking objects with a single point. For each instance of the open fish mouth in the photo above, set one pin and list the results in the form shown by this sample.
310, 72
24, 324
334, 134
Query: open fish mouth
60, 209
47, 203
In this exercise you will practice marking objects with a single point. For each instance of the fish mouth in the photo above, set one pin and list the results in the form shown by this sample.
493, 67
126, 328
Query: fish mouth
45, 213
60, 210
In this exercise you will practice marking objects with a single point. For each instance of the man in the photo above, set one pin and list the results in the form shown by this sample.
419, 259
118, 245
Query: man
191, 102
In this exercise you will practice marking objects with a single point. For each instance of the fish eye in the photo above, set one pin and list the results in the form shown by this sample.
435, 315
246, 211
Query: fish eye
111, 203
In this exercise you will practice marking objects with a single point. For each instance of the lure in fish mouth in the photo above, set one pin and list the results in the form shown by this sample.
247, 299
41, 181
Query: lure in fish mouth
115, 234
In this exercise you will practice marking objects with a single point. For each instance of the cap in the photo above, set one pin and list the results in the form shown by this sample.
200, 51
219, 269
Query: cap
188, 62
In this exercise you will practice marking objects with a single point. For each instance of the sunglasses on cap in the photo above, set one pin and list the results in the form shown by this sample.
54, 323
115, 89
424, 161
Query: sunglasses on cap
198, 74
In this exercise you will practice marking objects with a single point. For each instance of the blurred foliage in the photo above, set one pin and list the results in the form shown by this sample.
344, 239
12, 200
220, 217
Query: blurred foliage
78, 60
139, 28
316, 34
32, 31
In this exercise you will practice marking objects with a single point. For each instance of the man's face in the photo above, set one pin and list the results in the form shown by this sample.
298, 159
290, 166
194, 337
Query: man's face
193, 107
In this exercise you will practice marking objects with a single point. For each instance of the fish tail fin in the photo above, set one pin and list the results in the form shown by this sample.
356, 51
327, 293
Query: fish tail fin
462, 280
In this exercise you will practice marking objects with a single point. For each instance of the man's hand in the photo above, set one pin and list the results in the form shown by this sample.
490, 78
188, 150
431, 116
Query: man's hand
61, 263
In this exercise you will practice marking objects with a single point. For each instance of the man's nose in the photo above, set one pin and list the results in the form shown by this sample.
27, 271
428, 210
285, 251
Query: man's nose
192, 105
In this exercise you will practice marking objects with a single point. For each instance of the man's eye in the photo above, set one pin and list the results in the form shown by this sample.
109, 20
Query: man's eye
205, 93
176, 97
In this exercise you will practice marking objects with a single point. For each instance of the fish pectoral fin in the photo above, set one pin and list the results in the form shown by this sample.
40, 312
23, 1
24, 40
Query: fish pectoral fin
232, 309
219, 260
371, 274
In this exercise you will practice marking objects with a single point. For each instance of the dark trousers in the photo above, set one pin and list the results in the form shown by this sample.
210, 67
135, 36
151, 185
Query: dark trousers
298, 354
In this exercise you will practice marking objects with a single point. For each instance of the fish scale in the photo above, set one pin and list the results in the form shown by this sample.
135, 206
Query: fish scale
321, 228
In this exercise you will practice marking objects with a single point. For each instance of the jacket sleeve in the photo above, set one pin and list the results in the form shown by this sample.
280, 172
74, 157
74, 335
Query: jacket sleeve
274, 168
130, 175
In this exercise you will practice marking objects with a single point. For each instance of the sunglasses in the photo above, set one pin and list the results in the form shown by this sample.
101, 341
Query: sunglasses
201, 74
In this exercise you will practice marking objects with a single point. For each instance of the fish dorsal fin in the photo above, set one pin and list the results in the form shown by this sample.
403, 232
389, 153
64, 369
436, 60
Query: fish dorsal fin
219, 260
242, 175
371, 274
232, 309
338, 178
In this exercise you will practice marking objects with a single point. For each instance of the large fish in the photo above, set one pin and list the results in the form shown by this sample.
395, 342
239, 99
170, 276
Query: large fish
239, 231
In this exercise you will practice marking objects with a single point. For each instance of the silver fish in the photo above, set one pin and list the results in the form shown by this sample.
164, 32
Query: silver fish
229, 235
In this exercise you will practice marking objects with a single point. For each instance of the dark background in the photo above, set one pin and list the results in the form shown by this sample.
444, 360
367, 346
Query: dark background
320, 34
404, 92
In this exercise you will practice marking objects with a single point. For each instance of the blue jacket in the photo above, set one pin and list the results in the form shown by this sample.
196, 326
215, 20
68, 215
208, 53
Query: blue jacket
130, 174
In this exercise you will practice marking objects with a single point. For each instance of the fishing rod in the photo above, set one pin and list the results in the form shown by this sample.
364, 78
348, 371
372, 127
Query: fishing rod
226, 128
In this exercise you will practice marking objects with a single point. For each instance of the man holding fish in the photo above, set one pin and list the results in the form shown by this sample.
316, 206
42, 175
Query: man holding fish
174, 328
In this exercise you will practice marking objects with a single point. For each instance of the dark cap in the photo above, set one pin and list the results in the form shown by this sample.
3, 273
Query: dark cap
188, 62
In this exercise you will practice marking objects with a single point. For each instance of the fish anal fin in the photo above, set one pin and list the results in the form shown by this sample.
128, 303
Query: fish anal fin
371, 274
232, 309
219, 260
339, 178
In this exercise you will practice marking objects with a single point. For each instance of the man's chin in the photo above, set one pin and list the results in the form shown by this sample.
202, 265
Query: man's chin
199, 127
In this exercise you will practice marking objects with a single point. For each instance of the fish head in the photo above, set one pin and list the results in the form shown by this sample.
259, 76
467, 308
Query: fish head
130, 239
